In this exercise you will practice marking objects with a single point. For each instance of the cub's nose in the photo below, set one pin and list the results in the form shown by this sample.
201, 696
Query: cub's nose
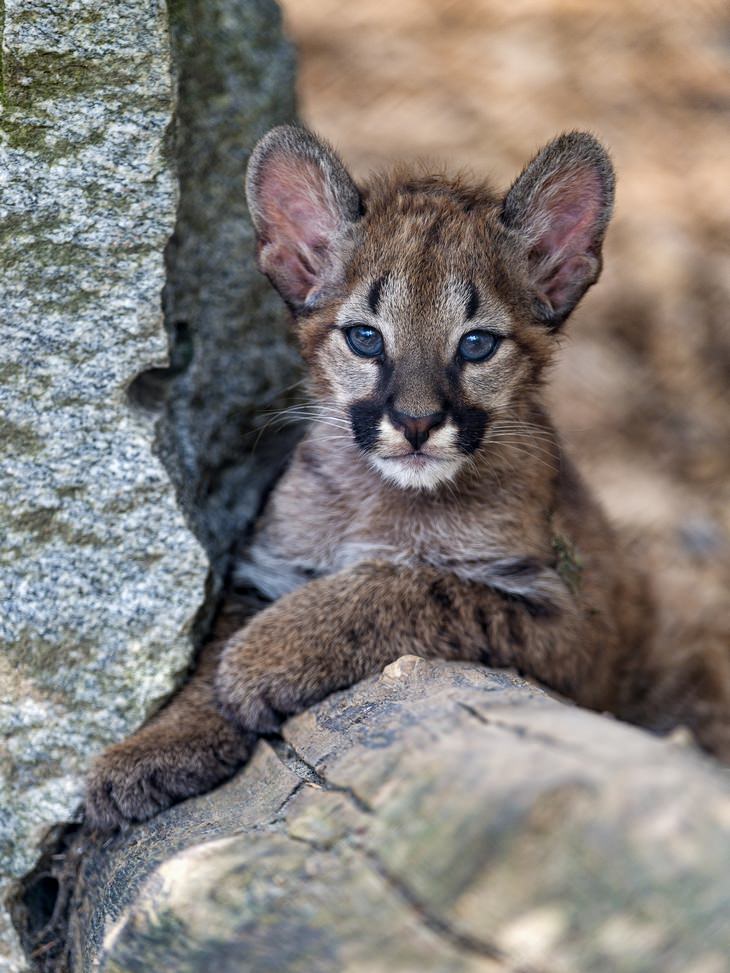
417, 428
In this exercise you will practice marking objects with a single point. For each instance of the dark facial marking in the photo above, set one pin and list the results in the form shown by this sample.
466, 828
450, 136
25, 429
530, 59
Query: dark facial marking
365, 417
470, 423
472, 304
374, 294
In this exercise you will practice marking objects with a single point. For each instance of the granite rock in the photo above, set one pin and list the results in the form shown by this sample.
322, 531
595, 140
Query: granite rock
440, 818
111, 141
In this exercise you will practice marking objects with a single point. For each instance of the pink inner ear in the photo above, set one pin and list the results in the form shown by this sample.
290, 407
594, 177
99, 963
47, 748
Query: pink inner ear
566, 231
572, 209
299, 221
567, 279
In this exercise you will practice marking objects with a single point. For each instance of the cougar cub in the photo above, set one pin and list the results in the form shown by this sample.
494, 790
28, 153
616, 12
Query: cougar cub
430, 508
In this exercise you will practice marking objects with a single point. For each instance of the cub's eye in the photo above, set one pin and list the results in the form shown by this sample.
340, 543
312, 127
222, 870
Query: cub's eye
364, 340
478, 345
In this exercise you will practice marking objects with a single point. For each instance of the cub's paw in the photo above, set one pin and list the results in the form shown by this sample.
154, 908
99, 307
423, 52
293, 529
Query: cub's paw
255, 700
138, 778
256, 689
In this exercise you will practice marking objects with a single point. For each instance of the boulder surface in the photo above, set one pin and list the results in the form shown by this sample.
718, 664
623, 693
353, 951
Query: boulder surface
440, 818
233, 363
119, 129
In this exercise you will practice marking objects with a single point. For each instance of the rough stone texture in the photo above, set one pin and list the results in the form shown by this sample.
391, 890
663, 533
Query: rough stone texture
231, 359
438, 818
101, 577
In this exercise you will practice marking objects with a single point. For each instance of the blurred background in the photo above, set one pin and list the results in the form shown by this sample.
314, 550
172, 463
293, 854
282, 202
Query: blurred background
641, 391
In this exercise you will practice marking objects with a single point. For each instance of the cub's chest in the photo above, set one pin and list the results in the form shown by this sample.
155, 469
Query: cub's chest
288, 551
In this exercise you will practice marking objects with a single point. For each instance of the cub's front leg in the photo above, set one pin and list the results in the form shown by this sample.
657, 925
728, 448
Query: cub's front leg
187, 749
326, 635
334, 631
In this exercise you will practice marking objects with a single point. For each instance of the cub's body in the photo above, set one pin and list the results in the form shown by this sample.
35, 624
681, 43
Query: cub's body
430, 508
529, 540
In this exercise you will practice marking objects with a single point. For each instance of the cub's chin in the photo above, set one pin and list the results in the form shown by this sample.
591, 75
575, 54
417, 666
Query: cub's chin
416, 471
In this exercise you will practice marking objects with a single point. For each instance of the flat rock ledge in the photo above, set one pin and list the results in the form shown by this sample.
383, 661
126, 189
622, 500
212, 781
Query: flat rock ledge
439, 817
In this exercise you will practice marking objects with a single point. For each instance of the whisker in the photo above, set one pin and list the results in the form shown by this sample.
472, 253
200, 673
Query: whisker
527, 447
525, 451
309, 417
534, 432
274, 394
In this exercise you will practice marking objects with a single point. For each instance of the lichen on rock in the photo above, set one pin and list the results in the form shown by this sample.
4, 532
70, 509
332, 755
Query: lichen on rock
105, 130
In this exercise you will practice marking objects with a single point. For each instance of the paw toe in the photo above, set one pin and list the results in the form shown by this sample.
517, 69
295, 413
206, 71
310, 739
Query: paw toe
120, 791
137, 781
101, 813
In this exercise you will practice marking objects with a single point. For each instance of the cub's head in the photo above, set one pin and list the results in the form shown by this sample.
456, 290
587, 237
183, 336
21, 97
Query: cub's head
426, 308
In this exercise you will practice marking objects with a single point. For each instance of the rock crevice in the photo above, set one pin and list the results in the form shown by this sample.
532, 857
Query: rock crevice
124, 133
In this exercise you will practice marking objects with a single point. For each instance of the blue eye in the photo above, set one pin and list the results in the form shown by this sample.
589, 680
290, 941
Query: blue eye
478, 345
364, 340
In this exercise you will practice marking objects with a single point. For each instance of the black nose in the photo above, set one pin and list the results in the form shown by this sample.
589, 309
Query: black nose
417, 428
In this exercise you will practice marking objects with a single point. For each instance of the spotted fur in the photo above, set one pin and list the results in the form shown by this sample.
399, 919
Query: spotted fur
430, 508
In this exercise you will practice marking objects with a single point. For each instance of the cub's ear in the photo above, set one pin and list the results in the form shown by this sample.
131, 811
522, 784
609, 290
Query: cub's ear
560, 206
303, 204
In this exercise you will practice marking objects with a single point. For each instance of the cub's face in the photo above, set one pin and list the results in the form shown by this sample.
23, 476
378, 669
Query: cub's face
425, 364
425, 308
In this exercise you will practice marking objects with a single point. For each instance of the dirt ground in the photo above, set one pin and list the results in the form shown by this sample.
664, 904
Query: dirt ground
642, 388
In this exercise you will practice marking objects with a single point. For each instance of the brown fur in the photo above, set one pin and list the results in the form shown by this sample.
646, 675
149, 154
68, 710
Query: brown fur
483, 544
187, 749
